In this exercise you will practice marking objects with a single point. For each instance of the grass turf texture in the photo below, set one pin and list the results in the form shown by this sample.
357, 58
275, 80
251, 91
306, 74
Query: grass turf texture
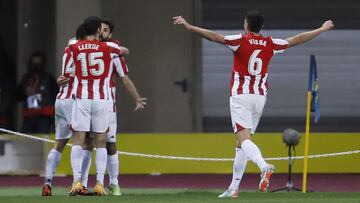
32, 195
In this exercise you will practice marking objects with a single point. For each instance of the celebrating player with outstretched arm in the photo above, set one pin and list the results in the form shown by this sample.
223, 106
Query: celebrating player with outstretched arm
248, 86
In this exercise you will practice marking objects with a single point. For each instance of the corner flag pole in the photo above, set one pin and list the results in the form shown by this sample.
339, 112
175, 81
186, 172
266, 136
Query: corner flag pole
307, 132
312, 105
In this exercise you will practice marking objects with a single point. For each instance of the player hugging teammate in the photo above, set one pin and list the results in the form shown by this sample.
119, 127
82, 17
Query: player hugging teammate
85, 106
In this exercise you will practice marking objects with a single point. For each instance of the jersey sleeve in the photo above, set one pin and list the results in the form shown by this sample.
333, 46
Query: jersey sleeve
233, 41
67, 61
114, 48
120, 66
279, 45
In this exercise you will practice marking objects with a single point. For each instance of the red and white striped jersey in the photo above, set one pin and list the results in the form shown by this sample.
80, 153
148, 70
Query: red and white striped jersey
68, 70
252, 55
119, 70
93, 65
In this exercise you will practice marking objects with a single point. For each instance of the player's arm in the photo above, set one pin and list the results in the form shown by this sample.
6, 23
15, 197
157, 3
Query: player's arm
67, 61
307, 36
124, 51
140, 102
122, 71
207, 34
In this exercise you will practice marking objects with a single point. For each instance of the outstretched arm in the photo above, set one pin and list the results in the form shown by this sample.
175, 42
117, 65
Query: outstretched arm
207, 34
307, 36
130, 87
124, 51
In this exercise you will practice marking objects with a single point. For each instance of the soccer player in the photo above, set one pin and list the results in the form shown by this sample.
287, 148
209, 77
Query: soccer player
91, 107
120, 71
63, 106
248, 86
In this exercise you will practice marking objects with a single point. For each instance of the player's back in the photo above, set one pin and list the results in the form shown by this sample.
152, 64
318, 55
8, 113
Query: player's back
92, 64
252, 55
68, 71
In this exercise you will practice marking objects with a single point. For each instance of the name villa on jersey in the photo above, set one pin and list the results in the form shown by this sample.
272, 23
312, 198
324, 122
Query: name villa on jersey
88, 46
257, 42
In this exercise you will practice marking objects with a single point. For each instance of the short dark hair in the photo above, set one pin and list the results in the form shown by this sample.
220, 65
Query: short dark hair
110, 24
80, 32
39, 54
255, 20
91, 25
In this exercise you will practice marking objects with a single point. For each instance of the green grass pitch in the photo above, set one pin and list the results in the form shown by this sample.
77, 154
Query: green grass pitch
32, 195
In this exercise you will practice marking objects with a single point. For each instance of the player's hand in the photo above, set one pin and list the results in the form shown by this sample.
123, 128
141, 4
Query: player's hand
327, 25
140, 104
178, 20
62, 80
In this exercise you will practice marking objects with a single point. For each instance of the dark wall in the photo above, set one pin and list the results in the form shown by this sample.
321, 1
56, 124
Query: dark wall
8, 21
36, 32
160, 54
8, 49
282, 14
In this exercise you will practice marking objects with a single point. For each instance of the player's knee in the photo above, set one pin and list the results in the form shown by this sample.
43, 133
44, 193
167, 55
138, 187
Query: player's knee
88, 146
100, 141
78, 138
241, 136
60, 145
111, 148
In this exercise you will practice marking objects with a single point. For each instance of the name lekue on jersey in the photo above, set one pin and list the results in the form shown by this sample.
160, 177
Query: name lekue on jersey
88, 46
257, 42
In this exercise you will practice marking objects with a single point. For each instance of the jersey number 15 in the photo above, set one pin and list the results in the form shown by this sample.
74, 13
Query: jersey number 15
96, 64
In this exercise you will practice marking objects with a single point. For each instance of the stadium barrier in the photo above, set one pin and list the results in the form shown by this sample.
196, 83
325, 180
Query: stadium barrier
169, 153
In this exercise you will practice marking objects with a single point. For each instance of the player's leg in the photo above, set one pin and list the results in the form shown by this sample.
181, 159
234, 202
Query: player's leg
100, 160
62, 135
52, 162
86, 163
113, 157
251, 149
113, 168
100, 124
80, 122
253, 152
243, 134
237, 107
239, 166
76, 159
242, 110
268, 171
53, 159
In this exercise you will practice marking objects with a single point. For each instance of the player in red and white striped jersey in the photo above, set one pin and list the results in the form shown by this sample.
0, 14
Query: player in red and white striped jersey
63, 107
91, 107
248, 87
121, 71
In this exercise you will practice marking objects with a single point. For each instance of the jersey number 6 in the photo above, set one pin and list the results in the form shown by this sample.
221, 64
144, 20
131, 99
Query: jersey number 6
255, 64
